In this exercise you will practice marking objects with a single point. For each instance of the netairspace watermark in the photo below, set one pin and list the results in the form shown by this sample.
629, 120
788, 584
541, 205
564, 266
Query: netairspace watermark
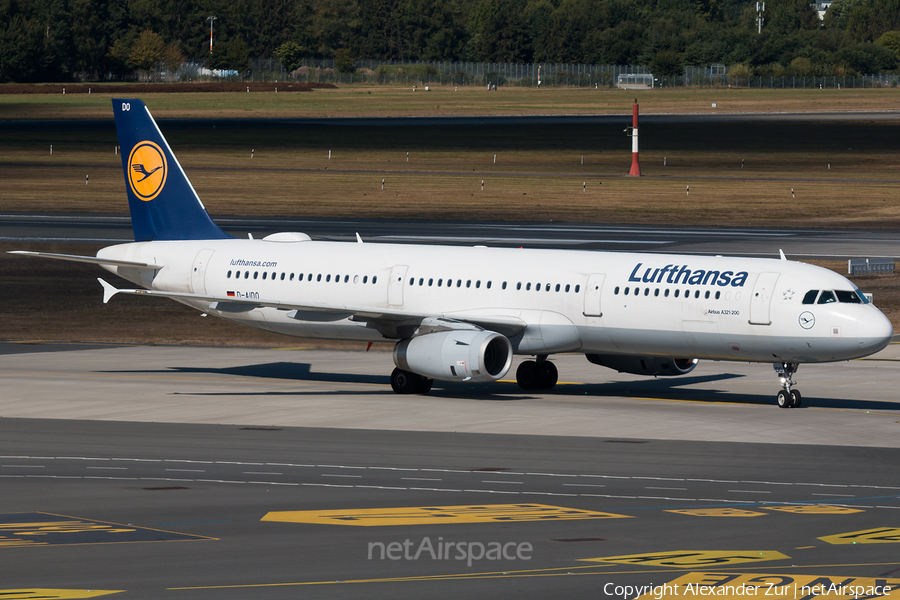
441, 550
805, 592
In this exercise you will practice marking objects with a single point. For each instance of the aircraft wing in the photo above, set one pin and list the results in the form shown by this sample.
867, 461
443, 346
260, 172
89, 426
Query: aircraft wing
94, 260
386, 320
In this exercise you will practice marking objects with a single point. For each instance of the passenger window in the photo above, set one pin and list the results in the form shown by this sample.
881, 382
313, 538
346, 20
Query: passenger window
374, 278
697, 294
577, 287
537, 287
273, 274
255, 274
319, 277
246, 274
718, 294
827, 297
567, 288
503, 286
706, 295
468, 283
412, 281
309, 277
848, 297
282, 276
488, 285
547, 288
666, 294
430, 281
356, 279
229, 275
656, 292
459, 283
528, 287
292, 277
519, 286
328, 278
264, 275
237, 274
676, 293
365, 279
646, 291
478, 284
346, 278
810, 297
627, 290
616, 291
557, 287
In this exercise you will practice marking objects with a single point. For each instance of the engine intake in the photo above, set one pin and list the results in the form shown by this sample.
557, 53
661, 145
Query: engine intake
645, 365
456, 355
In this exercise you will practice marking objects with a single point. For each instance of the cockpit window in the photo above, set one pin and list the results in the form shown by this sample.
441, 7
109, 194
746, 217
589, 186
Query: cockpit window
849, 297
862, 296
827, 297
810, 297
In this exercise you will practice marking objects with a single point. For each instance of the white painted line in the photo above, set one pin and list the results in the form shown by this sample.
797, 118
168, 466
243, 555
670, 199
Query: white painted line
333, 475
421, 479
503, 482
749, 492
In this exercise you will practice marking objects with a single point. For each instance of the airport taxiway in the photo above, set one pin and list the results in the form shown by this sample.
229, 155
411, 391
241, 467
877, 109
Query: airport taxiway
184, 472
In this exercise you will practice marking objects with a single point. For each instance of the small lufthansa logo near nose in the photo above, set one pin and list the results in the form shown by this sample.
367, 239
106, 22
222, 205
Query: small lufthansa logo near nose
807, 320
147, 170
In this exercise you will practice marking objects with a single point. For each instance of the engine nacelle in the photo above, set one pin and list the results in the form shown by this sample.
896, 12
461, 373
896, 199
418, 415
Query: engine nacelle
456, 355
644, 365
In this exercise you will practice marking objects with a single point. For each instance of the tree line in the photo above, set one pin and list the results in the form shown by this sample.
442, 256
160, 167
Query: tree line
60, 40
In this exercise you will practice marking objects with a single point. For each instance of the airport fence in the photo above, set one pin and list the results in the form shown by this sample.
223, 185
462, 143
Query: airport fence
422, 73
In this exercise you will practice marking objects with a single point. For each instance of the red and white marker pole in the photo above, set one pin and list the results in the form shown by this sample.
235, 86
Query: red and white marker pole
635, 164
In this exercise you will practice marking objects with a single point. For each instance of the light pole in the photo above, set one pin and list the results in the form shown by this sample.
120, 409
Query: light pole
760, 9
210, 19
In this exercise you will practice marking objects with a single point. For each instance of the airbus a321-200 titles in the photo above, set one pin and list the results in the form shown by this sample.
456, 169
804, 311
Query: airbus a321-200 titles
461, 313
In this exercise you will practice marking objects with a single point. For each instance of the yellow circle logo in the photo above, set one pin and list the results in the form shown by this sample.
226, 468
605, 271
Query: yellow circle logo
147, 170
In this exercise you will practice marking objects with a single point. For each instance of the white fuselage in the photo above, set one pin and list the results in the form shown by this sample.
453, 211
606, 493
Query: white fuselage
718, 308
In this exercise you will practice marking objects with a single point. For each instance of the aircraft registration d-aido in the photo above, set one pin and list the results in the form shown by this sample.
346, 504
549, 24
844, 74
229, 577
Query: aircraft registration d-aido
461, 313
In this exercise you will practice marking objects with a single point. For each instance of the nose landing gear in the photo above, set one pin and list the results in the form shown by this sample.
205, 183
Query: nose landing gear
787, 397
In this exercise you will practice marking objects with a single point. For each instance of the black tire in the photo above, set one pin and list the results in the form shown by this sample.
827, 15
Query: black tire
527, 375
404, 382
549, 375
783, 399
796, 398
425, 385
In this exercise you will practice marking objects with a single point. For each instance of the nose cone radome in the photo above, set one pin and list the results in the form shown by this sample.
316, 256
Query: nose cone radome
874, 331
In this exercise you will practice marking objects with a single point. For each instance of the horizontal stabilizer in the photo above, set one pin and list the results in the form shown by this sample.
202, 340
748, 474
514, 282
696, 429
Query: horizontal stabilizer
94, 260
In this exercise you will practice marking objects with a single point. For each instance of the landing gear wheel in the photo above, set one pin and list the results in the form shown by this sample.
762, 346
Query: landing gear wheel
527, 375
424, 386
404, 382
787, 397
784, 399
549, 375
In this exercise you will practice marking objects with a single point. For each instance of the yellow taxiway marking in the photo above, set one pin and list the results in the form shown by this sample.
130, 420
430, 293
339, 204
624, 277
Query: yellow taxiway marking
717, 512
816, 509
48, 594
692, 559
741, 586
881, 535
429, 515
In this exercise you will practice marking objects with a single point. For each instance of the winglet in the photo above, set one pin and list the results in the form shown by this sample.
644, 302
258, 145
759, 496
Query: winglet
358, 239
108, 290
781, 252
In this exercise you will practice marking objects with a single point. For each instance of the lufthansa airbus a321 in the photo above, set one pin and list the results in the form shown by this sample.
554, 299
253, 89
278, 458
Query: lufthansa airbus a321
461, 313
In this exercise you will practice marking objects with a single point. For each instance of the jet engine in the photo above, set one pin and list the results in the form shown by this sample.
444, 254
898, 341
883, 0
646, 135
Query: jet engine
456, 355
645, 365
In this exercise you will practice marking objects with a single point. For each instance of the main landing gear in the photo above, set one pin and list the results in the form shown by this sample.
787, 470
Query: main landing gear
404, 382
537, 375
787, 398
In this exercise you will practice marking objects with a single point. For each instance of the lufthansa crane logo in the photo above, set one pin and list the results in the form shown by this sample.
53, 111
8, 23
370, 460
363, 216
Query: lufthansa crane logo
147, 170
807, 320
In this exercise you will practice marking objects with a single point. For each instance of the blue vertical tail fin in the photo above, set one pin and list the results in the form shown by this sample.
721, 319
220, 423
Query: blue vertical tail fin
163, 203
